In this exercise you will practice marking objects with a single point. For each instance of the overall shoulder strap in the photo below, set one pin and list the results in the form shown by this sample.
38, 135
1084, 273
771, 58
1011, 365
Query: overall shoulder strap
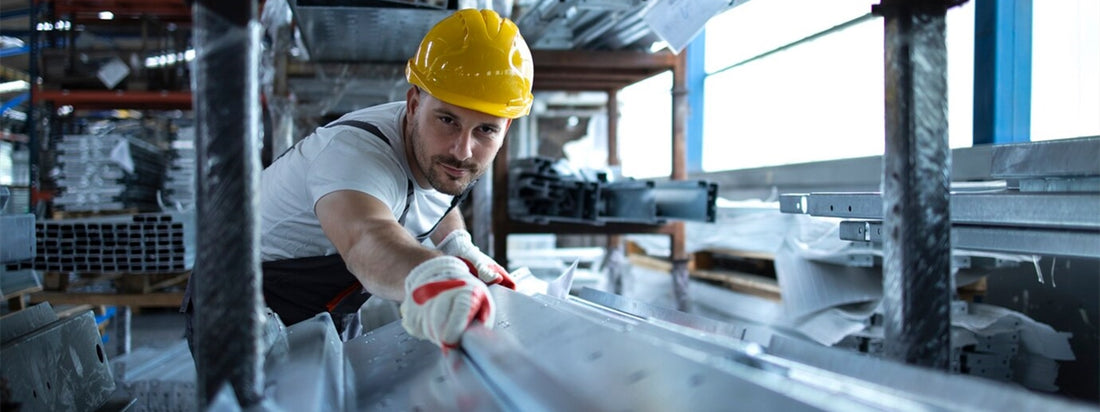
372, 129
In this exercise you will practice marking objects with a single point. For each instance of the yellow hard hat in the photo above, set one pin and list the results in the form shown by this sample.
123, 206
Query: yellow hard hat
477, 60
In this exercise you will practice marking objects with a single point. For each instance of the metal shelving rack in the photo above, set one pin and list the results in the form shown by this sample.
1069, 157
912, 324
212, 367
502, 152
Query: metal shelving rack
1048, 207
609, 72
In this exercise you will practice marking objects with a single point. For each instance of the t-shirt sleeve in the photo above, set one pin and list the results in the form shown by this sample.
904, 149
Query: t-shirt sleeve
354, 162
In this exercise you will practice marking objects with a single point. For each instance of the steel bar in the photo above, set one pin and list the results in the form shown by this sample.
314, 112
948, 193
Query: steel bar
916, 181
745, 331
122, 330
226, 289
1008, 208
1079, 243
1056, 158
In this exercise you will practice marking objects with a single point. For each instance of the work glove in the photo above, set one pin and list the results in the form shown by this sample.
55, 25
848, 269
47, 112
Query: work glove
442, 299
458, 244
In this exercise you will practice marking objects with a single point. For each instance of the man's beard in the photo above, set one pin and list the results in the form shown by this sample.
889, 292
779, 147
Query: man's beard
438, 179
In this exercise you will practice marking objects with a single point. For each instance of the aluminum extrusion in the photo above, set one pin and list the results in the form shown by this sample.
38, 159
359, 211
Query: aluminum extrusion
1058, 242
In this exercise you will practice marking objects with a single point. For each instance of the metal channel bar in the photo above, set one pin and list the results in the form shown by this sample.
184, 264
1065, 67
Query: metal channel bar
948, 391
745, 331
1073, 243
1055, 158
916, 185
1055, 210
628, 363
226, 277
515, 378
393, 371
546, 353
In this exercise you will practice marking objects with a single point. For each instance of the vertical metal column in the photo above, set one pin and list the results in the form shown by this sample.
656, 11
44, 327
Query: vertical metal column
32, 126
123, 338
679, 172
1002, 71
227, 301
916, 179
615, 259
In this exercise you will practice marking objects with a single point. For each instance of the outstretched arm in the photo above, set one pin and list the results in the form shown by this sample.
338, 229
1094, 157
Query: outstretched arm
376, 249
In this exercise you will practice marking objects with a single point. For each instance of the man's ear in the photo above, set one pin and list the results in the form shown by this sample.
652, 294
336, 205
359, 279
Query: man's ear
412, 100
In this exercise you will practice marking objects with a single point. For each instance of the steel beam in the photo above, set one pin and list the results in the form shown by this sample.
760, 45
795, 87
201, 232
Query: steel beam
916, 181
226, 279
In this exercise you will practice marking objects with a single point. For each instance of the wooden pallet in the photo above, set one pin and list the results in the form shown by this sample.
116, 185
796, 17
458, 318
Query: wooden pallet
747, 283
161, 290
134, 300
78, 214
123, 282
17, 286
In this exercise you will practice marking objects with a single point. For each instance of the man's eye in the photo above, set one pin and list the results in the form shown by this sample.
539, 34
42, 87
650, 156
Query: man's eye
446, 120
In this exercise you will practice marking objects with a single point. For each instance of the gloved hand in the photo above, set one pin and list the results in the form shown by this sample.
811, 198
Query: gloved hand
458, 244
442, 299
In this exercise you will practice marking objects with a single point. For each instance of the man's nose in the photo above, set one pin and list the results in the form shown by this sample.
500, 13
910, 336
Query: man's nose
461, 148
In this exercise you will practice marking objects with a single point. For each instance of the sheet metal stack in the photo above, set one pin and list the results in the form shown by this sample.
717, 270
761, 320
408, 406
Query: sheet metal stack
179, 182
146, 243
109, 171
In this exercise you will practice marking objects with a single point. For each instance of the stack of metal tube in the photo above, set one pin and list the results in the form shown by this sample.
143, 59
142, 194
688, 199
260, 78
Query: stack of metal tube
147, 243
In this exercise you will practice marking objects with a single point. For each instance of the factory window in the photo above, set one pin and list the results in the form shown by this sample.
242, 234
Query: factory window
792, 81
1065, 69
645, 127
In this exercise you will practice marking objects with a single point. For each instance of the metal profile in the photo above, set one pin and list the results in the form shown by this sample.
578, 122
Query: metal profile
686, 200
1051, 210
1047, 242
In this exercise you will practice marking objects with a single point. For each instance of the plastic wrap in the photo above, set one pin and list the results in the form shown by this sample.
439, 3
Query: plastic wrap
226, 281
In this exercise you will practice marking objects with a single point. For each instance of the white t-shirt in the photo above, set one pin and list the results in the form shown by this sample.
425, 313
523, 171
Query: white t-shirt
341, 158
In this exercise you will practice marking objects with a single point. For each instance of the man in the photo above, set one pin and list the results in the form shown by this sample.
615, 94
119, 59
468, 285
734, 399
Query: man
347, 212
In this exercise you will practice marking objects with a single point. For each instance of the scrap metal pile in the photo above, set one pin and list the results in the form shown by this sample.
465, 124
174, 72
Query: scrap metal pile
542, 190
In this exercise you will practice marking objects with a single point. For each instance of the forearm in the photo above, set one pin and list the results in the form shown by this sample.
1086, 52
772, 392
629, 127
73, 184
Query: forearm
382, 257
375, 248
